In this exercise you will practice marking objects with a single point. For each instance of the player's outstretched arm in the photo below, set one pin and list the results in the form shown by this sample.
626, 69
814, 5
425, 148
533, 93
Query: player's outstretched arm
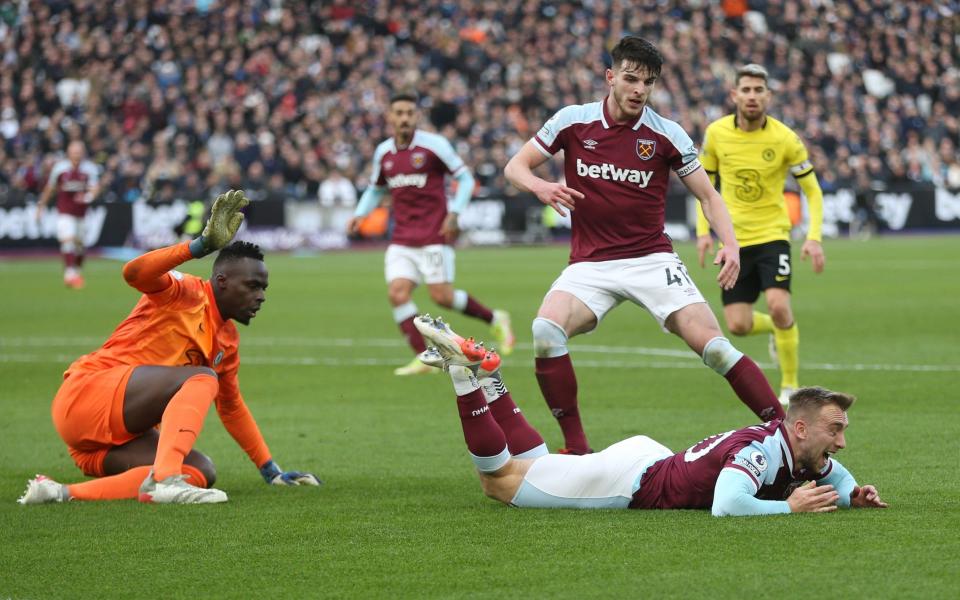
733, 496
519, 172
149, 273
715, 210
225, 219
274, 475
240, 424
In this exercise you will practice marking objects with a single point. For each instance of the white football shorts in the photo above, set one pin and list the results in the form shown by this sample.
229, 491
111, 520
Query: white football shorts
69, 228
428, 264
657, 282
606, 479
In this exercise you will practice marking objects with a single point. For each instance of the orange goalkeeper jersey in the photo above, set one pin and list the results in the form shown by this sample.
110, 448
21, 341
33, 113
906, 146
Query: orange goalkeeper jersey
177, 323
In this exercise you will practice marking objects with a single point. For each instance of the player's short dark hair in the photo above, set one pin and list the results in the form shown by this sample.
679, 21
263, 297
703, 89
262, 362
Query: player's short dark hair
752, 70
403, 96
236, 251
638, 52
808, 400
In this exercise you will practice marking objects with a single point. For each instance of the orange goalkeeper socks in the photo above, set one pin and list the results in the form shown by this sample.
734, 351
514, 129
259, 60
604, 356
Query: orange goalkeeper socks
115, 487
181, 424
126, 485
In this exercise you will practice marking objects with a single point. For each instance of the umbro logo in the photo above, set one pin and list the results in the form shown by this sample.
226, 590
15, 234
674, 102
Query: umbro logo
590, 144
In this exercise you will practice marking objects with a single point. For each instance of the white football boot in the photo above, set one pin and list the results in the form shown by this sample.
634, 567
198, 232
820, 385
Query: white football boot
41, 490
175, 490
485, 367
452, 349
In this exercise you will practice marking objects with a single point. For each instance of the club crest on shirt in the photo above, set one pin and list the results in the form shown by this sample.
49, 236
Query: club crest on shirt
387, 165
218, 358
418, 159
646, 148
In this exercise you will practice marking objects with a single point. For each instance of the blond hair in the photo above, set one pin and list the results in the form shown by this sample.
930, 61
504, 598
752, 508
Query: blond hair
809, 400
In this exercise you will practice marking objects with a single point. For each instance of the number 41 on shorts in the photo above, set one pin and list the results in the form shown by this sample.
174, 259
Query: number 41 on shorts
674, 278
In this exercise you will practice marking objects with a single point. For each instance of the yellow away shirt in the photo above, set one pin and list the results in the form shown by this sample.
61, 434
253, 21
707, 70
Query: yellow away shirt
753, 166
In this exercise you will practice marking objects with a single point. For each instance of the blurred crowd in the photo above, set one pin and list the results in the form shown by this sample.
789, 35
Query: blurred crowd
286, 98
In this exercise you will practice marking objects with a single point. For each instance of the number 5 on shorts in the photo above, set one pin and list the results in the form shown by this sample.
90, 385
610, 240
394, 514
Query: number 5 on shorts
784, 268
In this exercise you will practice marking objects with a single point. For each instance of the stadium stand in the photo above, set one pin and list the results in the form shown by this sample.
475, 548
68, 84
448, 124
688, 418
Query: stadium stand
185, 98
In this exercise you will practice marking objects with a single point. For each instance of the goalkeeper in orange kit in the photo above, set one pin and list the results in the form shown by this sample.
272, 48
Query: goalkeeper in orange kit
165, 364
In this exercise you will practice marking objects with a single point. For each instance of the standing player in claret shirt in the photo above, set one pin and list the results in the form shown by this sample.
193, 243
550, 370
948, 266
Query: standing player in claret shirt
75, 181
750, 153
412, 166
618, 154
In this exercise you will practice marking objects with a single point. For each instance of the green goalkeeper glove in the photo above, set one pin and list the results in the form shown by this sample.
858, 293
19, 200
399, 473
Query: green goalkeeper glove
225, 219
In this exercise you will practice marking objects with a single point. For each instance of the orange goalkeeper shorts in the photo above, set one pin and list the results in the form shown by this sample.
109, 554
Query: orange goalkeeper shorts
88, 414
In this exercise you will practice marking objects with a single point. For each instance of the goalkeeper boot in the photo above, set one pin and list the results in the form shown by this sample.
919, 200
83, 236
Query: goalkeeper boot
500, 327
41, 490
175, 490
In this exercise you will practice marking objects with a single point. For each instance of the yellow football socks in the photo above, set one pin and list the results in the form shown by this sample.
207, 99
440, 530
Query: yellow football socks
788, 343
762, 323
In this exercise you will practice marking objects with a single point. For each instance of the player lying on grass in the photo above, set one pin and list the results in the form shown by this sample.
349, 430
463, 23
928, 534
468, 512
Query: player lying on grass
781, 466
173, 356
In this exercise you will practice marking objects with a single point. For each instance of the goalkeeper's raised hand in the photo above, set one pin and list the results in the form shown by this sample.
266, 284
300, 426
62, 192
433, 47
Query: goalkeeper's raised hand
225, 219
274, 475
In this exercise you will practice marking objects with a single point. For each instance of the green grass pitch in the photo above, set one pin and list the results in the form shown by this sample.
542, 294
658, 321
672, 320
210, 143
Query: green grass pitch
401, 514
